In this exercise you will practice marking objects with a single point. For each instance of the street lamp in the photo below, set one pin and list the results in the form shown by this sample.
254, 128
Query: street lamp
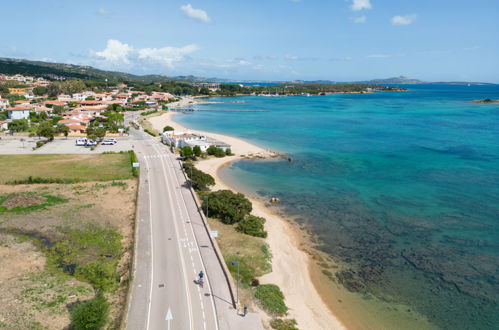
235, 262
206, 198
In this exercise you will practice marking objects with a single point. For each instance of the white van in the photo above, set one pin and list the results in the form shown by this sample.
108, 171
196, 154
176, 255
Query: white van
81, 141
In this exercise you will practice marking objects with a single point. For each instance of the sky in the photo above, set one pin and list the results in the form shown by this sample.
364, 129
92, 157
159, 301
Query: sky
339, 40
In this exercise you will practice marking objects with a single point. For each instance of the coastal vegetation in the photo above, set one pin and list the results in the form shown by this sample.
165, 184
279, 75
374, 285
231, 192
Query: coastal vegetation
227, 206
168, 129
271, 299
200, 180
486, 101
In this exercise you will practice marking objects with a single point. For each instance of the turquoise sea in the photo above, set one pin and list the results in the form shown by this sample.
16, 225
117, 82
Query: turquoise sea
403, 187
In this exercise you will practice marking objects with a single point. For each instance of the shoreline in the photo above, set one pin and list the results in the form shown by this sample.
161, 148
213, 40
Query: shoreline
307, 306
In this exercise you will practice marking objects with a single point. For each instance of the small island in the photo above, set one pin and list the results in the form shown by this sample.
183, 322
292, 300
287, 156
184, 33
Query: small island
486, 101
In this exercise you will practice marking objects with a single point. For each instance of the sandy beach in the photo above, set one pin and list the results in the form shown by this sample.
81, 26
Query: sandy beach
290, 265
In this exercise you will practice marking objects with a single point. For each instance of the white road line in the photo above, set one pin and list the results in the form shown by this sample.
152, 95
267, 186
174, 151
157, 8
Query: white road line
180, 249
197, 244
152, 246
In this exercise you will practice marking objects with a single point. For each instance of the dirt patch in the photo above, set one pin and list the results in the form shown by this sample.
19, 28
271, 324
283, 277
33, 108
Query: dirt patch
23, 200
44, 296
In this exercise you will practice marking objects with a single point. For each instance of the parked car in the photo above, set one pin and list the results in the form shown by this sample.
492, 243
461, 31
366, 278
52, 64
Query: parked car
91, 143
110, 141
81, 141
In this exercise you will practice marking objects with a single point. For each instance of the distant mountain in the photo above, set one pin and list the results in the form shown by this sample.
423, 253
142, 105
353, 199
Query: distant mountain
402, 80
46, 69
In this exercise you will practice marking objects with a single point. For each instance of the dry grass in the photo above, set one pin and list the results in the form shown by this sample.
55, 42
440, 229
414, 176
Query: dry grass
39, 297
98, 167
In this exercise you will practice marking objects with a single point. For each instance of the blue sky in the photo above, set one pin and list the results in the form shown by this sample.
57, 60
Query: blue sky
340, 40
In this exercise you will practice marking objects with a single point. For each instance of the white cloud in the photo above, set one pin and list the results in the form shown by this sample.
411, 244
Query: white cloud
103, 11
291, 57
359, 19
360, 5
116, 52
404, 20
166, 55
197, 14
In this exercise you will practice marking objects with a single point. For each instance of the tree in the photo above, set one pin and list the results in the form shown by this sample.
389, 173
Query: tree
199, 179
186, 152
63, 129
40, 90
58, 109
53, 89
90, 98
90, 315
214, 151
228, 206
228, 152
46, 130
95, 133
18, 125
253, 226
197, 151
168, 128
4, 89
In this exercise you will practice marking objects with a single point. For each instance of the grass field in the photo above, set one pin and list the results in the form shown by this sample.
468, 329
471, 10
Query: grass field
98, 167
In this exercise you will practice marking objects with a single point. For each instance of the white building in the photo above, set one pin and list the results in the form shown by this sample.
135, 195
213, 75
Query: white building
4, 103
19, 112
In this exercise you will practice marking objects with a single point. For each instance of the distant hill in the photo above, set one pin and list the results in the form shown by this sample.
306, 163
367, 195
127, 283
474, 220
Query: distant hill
46, 69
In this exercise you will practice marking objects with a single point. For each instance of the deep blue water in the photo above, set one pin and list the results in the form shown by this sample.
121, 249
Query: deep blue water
401, 186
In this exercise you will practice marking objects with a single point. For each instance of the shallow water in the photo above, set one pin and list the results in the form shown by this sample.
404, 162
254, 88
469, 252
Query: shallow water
404, 187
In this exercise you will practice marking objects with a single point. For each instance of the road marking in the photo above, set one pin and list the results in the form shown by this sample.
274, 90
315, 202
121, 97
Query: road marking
169, 317
152, 248
197, 244
179, 248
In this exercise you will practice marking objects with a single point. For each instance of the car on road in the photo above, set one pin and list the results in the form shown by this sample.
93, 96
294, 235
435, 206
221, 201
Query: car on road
110, 141
91, 143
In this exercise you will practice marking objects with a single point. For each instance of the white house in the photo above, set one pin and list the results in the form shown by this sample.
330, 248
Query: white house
4, 103
19, 112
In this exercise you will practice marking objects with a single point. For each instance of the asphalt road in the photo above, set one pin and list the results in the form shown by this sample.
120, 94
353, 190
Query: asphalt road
172, 246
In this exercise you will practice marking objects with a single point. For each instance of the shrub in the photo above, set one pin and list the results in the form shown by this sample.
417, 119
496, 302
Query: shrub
39, 144
253, 226
199, 179
89, 315
271, 299
149, 132
214, 151
228, 152
282, 324
134, 159
197, 151
168, 128
101, 275
186, 152
228, 206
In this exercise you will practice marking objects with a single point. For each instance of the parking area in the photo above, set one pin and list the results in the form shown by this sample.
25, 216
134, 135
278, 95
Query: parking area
60, 145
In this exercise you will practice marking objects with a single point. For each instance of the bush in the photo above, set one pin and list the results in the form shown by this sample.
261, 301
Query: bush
271, 299
228, 206
39, 144
228, 152
134, 159
101, 275
214, 151
168, 128
282, 324
149, 132
199, 179
89, 315
197, 151
253, 226
186, 152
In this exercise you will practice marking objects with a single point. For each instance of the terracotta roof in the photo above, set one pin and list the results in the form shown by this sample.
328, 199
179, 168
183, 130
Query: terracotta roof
54, 102
19, 108
76, 127
91, 102
22, 101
